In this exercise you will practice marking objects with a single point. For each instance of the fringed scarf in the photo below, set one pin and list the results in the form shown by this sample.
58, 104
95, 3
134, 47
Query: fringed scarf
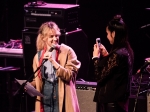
40, 62
40, 73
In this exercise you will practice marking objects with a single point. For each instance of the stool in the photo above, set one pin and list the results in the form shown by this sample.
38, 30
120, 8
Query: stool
8, 70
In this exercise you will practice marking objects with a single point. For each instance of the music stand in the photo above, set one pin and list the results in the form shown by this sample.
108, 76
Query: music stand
29, 88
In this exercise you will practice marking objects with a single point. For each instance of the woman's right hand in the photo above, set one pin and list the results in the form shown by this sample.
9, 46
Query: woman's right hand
96, 50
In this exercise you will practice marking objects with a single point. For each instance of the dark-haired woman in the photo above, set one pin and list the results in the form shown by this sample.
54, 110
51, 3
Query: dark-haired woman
113, 69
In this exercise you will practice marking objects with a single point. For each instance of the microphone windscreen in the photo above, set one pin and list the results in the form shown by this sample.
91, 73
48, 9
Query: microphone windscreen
52, 48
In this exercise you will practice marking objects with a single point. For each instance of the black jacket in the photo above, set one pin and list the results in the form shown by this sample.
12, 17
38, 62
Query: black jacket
113, 76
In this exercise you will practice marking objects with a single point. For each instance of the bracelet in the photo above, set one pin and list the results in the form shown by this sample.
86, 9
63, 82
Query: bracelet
57, 68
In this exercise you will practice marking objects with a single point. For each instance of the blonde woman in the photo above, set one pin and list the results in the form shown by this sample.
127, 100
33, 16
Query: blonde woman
57, 76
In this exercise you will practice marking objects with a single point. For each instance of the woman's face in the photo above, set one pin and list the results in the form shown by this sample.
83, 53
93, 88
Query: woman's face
52, 38
110, 35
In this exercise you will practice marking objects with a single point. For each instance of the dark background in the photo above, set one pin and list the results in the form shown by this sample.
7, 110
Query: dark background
94, 15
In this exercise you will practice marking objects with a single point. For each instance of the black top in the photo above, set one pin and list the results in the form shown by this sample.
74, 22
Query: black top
113, 76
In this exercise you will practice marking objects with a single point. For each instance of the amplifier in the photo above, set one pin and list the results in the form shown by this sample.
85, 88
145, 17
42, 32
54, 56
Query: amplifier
85, 93
85, 85
66, 16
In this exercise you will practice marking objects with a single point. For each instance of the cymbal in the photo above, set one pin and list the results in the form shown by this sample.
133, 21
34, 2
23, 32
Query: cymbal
147, 8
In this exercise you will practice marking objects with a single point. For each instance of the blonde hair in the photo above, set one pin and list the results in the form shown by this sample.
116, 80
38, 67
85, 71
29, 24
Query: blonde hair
44, 30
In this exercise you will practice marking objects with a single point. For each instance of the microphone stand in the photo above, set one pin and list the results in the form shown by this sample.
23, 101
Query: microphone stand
29, 79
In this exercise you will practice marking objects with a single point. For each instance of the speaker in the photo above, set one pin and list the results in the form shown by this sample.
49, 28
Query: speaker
85, 93
78, 41
85, 99
65, 15
29, 50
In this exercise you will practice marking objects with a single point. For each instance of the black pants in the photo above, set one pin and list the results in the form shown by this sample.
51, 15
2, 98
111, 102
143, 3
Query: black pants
109, 107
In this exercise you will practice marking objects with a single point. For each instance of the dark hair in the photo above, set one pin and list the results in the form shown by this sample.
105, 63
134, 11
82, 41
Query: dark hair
121, 34
117, 24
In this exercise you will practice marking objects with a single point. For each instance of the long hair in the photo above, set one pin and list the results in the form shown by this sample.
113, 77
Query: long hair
121, 34
44, 30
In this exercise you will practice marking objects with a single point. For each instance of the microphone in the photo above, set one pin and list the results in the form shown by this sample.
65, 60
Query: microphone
52, 48
143, 67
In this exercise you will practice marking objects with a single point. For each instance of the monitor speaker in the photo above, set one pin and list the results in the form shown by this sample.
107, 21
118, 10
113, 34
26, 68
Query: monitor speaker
85, 99
85, 93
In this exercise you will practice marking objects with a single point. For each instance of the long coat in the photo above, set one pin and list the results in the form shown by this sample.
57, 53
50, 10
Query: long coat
69, 66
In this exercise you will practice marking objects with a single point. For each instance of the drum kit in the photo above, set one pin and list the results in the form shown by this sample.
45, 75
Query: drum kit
141, 80
147, 59
142, 87
148, 66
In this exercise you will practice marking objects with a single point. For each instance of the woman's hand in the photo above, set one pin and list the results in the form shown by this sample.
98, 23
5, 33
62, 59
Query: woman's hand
103, 50
99, 50
48, 55
96, 50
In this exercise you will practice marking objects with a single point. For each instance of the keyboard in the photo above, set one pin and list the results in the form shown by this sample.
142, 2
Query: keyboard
10, 52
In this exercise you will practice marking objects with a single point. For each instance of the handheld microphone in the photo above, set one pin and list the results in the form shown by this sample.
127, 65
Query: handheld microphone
50, 50
98, 40
53, 47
